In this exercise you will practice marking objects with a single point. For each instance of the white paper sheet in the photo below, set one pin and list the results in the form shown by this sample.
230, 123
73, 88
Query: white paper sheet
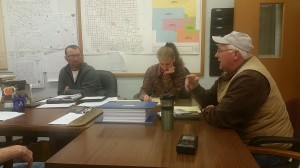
56, 105
96, 104
92, 104
66, 119
5, 115
93, 98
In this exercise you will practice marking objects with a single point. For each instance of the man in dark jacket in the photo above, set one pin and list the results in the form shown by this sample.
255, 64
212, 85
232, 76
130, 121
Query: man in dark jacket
77, 76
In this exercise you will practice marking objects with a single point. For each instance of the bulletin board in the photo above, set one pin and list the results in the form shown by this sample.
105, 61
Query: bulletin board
33, 35
124, 36
3, 56
117, 35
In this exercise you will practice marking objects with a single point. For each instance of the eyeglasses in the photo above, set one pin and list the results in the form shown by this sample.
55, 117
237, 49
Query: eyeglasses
74, 56
221, 50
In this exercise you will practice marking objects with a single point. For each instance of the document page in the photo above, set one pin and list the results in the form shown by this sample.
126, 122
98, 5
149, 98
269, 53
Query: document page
66, 119
96, 104
56, 105
5, 115
93, 98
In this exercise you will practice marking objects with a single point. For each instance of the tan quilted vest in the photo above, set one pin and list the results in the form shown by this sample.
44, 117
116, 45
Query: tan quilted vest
272, 118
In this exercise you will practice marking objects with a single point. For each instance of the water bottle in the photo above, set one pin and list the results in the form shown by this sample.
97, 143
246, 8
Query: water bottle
167, 109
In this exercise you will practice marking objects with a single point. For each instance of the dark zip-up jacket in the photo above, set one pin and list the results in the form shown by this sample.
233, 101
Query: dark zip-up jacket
87, 83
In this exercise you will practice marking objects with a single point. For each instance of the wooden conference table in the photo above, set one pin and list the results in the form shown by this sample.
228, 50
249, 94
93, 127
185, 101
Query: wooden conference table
34, 123
139, 145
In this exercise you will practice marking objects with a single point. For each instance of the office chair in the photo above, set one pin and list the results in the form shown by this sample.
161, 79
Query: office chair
293, 107
108, 82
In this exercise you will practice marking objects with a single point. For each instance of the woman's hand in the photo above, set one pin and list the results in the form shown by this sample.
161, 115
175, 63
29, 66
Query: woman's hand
147, 98
169, 71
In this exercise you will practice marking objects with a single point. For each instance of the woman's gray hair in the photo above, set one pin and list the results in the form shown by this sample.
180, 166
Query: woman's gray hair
165, 52
244, 54
170, 51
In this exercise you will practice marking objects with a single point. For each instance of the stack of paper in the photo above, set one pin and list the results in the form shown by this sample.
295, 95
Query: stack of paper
127, 111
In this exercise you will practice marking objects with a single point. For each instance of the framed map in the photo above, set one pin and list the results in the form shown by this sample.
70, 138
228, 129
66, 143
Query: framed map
120, 35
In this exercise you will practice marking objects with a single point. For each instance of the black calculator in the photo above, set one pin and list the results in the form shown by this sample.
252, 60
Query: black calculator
187, 144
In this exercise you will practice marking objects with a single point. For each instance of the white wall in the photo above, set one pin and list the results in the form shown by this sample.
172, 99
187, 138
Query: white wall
128, 86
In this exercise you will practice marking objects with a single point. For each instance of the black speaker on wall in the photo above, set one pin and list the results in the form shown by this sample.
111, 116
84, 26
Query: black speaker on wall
221, 24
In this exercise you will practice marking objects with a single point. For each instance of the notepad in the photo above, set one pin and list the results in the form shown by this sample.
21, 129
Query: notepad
185, 112
186, 109
156, 99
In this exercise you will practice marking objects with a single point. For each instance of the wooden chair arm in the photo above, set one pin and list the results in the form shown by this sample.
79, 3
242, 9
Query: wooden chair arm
272, 151
257, 141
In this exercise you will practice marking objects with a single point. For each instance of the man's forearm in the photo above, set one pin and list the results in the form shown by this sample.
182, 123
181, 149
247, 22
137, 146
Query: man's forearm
203, 96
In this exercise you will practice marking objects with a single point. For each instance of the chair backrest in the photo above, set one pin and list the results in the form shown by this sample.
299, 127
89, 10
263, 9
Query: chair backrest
108, 82
293, 107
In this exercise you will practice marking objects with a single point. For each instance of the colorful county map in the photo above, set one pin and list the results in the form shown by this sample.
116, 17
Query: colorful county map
175, 21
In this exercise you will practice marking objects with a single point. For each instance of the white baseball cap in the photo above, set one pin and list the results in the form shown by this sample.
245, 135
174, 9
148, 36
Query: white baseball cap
240, 40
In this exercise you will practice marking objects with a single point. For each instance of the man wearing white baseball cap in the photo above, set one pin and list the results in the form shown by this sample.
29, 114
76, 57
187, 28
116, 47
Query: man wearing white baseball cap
245, 97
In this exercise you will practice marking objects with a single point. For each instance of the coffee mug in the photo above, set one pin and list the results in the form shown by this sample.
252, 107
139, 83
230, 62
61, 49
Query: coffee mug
19, 104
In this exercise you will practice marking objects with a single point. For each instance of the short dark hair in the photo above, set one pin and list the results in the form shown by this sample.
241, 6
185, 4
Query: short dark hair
72, 46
